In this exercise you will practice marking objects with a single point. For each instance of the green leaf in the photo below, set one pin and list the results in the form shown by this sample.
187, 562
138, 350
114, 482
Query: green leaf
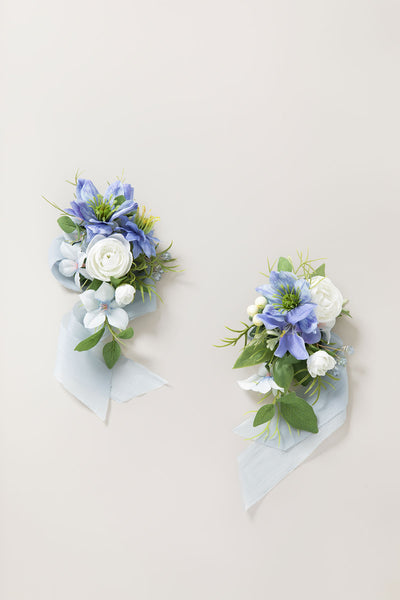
319, 271
283, 373
90, 341
111, 353
126, 333
284, 264
96, 283
119, 200
264, 414
254, 353
298, 413
116, 282
66, 224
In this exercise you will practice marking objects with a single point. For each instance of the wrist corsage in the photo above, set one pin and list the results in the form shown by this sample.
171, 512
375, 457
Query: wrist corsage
109, 255
302, 375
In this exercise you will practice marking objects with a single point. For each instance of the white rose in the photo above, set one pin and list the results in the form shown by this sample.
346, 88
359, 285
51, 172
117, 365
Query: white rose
108, 257
319, 363
124, 294
327, 297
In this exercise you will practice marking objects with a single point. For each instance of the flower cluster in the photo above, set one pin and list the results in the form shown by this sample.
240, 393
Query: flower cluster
109, 254
289, 334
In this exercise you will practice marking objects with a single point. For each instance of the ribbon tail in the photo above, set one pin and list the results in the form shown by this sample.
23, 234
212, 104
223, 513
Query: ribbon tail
261, 467
130, 379
83, 374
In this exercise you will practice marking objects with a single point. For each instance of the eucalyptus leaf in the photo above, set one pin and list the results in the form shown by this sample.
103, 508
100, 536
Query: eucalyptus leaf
264, 414
111, 353
90, 341
298, 413
284, 264
66, 224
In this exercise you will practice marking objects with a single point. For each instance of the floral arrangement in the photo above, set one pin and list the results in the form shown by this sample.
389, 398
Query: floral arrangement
109, 254
290, 335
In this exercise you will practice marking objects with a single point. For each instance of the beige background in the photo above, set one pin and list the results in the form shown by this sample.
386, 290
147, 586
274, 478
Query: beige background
252, 128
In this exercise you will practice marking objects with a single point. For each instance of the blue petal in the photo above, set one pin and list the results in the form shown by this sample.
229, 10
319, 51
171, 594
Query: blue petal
293, 343
285, 279
313, 337
129, 206
272, 321
303, 287
270, 293
128, 191
300, 313
114, 190
85, 190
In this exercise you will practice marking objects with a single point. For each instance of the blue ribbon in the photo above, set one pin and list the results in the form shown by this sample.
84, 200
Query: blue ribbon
84, 374
267, 461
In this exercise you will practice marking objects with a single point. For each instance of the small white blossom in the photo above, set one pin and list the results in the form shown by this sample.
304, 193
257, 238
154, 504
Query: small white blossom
101, 305
71, 264
260, 382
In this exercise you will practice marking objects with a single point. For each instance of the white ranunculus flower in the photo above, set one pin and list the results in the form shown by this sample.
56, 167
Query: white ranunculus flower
108, 257
319, 363
327, 297
124, 294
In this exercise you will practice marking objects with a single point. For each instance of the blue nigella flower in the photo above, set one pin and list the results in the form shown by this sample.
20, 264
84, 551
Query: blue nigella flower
290, 309
142, 242
99, 213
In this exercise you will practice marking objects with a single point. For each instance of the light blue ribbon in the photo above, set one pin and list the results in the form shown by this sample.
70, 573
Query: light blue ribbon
267, 461
84, 374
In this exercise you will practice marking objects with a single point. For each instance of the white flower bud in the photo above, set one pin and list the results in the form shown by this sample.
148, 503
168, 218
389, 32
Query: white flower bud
252, 310
257, 321
260, 302
124, 294
319, 363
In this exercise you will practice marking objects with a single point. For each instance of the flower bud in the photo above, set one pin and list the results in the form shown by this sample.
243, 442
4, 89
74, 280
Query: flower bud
260, 302
252, 310
124, 294
257, 321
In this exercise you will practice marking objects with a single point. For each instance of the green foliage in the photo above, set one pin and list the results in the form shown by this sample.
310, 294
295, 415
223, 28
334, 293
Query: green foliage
254, 353
242, 333
96, 283
116, 282
319, 271
264, 414
284, 264
126, 334
90, 341
66, 224
298, 413
111, 353
283, 371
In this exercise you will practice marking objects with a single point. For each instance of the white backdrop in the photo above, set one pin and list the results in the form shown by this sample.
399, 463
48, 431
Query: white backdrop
252, 128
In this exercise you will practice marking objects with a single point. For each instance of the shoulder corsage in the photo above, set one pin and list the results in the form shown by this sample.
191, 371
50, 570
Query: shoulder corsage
109, 255
301, 377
